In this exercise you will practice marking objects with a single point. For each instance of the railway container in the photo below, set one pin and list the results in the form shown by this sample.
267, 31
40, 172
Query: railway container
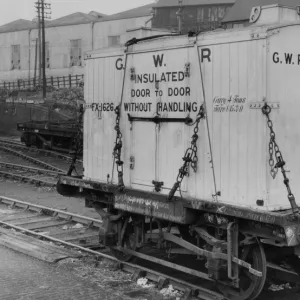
204, 135
241, 70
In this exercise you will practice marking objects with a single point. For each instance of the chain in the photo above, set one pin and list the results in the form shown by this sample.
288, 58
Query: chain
190, 156
117, 150
280, 163
78, 140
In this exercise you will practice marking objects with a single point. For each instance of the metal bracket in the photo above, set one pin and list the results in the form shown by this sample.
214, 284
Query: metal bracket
157, 185
259, 105
157, 119
255, 14
210, 239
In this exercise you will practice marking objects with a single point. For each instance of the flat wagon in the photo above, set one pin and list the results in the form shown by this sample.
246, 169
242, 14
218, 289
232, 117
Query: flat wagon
49, 135
198, 132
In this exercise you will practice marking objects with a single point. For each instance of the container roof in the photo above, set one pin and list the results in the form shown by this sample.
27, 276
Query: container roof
141, 11
168, 3
241, 10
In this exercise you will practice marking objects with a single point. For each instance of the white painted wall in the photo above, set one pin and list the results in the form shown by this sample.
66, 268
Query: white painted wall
116, 27
93, 36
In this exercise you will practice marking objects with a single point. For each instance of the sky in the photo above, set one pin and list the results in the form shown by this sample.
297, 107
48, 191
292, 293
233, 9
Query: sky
12, 10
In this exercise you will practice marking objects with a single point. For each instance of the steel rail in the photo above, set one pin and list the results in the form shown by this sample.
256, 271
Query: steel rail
23, 204
27, 168
22, 178
17, 145
179, 284
31, 159
29, 177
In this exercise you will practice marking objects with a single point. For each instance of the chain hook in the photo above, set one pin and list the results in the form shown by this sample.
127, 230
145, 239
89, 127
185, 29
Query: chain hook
117, 150
190, 156
280, 163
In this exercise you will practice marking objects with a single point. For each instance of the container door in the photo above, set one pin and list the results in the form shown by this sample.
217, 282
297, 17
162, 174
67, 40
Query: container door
159, 87
139, 103
143, 152
174, 103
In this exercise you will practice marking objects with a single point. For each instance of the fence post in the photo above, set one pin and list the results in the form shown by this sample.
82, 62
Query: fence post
76, 80
70, 80
52, 81
58, 82
4, 84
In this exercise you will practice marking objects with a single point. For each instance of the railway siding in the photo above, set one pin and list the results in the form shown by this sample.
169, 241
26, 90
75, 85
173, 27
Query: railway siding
75, 233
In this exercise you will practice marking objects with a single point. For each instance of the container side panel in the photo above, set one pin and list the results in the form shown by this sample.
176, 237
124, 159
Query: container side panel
236, 131
283, 88
204, 179
102, 96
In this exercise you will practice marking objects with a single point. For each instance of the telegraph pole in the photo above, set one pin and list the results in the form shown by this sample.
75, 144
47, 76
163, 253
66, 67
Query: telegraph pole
179, 14
41, 6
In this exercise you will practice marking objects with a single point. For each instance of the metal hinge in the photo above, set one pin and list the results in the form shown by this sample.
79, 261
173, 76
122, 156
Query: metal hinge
132, 160
187, 70
259, 105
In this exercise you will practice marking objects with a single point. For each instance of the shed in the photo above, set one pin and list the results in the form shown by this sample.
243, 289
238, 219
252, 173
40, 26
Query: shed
196, 15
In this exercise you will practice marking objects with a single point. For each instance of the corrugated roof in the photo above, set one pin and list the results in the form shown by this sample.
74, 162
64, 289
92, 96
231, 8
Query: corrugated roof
79, 18
17, 25
97, 14
73, 19
168, 3
137, 12
241, 10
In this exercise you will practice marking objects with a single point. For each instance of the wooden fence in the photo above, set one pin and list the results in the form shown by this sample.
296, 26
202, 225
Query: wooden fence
57, 82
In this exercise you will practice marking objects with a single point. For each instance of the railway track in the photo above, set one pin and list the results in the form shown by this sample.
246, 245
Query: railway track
44, 159
49, 164
62, 228
8, 143
41, 177
31, 159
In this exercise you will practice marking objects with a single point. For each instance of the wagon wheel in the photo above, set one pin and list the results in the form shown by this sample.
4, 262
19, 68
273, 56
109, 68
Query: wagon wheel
131, 240
250, 285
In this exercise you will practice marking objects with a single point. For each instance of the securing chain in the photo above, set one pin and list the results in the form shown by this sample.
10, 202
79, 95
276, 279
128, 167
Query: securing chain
280, 163
190, 157
117, 150
77, 140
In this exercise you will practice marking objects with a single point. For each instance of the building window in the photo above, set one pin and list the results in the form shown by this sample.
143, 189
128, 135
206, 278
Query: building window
113, 40
15, 57
75, 55
47, 53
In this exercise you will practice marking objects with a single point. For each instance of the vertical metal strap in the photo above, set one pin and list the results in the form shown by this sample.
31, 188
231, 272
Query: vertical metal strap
232, 251
205, 109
